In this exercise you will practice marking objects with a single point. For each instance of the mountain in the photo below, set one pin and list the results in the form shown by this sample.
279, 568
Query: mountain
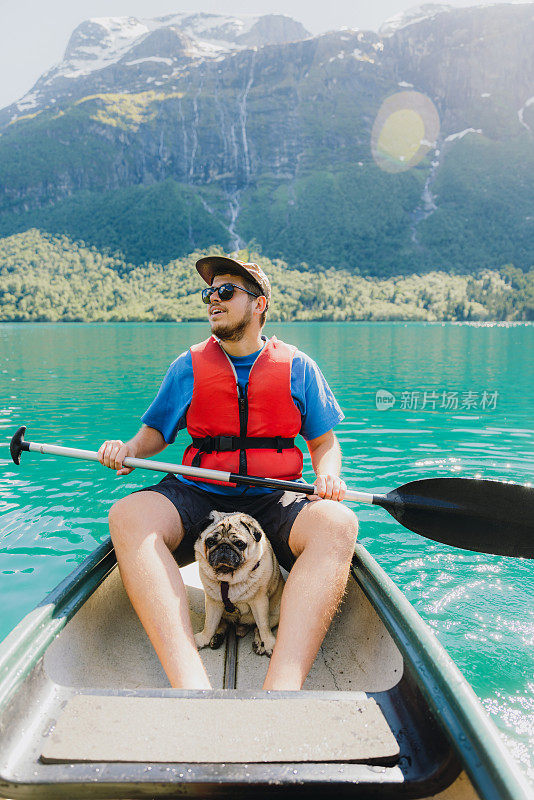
126, 54
153, 138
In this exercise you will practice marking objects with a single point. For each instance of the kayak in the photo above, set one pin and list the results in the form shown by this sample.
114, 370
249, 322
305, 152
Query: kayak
86, 709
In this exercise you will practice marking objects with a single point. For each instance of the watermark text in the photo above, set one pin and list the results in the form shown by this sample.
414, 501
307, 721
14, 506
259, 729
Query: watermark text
437, 400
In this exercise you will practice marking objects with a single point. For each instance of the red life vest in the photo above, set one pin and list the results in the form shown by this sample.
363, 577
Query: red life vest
253, 433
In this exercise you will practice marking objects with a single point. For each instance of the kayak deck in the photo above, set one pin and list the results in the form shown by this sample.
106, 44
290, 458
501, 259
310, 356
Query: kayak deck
97, 719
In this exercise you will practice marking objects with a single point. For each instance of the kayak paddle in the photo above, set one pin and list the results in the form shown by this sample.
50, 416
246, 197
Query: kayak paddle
481, 515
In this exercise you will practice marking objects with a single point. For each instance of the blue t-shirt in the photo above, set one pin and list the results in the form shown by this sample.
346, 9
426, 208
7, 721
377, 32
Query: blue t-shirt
311, 394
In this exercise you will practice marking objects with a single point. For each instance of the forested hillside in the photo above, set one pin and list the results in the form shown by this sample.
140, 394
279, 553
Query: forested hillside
46, 278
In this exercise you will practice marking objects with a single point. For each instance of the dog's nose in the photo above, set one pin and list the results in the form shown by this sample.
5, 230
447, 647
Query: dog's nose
224, 556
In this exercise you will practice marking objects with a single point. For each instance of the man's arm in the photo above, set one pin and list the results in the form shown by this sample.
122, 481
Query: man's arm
325, 454
147, 442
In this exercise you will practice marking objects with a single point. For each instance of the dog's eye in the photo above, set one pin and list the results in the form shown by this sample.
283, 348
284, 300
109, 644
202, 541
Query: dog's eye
211, 540
240, 544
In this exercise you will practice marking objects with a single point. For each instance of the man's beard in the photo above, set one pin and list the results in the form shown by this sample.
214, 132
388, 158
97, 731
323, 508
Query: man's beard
235, 332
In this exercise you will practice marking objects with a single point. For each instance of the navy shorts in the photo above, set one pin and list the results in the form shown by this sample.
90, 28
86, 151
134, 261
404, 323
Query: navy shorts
276, 512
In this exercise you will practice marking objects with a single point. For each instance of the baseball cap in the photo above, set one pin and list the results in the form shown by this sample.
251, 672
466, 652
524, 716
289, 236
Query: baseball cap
206, 267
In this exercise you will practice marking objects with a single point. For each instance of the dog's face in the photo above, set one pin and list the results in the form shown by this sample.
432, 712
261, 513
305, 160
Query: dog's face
230, 541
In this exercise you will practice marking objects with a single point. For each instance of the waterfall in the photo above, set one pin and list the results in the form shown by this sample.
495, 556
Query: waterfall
233, 192
222, 123
195, 132
427, 204
521, 113
243, 116
236, 242
234, 148
206, 205
180, 111
162, 160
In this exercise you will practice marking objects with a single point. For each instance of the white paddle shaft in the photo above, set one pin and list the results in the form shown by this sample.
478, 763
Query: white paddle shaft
142, 463
179, 469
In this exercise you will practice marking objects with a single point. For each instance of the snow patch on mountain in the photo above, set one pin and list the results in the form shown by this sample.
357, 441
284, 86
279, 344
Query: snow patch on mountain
184, 38
156, 59
97, 43
460, 135
28, 102
412, 16
110, 38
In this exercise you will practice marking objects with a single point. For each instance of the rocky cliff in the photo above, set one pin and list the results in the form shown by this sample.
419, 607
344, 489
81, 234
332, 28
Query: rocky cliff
154, 137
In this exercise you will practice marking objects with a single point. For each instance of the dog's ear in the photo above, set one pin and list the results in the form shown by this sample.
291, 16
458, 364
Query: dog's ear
253, 527
215, 516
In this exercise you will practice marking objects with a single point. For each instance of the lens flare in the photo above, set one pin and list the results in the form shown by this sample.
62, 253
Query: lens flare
405, 129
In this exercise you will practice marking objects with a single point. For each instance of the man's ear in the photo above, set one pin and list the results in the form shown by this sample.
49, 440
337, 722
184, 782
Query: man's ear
261, 303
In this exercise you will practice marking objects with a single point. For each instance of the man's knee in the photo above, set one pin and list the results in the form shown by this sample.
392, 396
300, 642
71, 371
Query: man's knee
330, 526
123, 519
135, 518
119, 512
343, 529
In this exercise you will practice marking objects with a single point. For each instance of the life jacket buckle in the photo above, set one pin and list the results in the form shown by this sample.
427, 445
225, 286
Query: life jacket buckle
227, 443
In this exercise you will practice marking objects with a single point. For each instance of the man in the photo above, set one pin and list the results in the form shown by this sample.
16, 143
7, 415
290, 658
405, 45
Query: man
243, 399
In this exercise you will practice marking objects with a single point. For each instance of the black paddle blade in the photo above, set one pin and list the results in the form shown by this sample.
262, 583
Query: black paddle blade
481, 515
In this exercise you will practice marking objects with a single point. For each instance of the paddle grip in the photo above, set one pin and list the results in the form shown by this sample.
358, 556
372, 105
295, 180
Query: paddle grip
18, 444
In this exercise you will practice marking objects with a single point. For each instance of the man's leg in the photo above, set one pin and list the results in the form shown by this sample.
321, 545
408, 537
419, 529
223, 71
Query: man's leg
322, 539
145, 529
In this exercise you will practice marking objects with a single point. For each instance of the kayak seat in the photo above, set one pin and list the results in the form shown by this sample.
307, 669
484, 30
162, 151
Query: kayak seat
349, 727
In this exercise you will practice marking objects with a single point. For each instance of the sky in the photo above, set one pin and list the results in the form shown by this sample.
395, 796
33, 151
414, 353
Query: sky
34, 33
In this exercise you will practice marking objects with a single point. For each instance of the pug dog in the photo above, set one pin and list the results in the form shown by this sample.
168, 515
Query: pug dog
241, 578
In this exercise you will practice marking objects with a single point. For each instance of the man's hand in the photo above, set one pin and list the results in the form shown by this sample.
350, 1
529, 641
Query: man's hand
326, 461
112, 453
146, 442
329, 487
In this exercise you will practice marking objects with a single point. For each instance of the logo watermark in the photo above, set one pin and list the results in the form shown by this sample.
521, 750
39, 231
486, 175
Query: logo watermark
384, 400
441, 400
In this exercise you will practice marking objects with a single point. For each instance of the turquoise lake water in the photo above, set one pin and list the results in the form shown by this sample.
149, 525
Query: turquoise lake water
463, 406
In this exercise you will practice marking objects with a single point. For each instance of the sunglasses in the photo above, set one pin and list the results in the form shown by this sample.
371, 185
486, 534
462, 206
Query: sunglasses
225, 292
